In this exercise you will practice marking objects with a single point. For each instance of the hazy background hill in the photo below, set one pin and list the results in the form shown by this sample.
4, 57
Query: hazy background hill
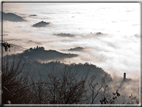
12, 17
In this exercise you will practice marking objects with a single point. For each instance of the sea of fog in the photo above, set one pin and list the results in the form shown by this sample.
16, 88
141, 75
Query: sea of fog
116, 50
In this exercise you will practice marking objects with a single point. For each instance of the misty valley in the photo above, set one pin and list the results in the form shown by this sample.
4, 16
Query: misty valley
56, 82
61, 54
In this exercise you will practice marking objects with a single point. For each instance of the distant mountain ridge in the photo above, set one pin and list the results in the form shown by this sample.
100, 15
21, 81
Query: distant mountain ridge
65, 35
33, 15
76, 49
41, 24
12, 17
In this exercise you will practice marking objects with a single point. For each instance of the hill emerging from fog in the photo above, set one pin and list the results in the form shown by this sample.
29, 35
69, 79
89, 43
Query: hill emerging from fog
52, 60
57, 67
76, 49
41, 24
40, 53
12, 17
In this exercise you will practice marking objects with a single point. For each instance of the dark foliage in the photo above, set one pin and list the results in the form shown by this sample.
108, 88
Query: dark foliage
6, 45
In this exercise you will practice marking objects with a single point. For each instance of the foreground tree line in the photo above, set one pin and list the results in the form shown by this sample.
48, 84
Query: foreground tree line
58, 88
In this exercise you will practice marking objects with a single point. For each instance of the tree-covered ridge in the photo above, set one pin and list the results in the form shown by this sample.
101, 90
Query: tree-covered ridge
39, 53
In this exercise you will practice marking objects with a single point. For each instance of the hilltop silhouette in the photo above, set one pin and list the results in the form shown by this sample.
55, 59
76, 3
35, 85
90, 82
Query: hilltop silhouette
39, 53
65, 35
76, 49
41, 24
33, 15
81, 68
12, 17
